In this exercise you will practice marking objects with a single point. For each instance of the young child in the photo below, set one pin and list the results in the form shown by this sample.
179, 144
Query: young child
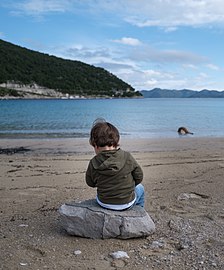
114, 172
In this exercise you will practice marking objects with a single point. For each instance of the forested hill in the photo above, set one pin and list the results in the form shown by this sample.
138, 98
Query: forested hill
26, 67
184, 93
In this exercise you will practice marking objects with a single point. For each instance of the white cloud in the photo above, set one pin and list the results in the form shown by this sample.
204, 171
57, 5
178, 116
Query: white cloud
82, 52
151, 83
149, 78
190, 66
167, 14
39, 7
212, 66
151, 72
170, 29
171, 14
166, 56
179, 79
128, 41
203, 75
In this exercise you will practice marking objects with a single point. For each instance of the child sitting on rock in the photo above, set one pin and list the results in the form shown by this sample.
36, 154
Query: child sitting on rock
114, 172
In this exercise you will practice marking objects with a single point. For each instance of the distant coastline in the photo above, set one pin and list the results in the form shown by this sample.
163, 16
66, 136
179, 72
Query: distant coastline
16, 91
184, 93
34, 91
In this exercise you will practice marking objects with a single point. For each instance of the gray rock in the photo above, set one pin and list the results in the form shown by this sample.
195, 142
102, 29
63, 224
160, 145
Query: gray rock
119, 254
88, 219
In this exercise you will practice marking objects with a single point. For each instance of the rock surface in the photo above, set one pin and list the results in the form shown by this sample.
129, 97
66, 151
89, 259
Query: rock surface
88, 219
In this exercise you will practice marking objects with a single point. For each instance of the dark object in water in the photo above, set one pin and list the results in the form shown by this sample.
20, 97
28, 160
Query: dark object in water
11, 151
183, 131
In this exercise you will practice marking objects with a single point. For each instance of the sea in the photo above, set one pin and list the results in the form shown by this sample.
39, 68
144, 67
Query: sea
135, 118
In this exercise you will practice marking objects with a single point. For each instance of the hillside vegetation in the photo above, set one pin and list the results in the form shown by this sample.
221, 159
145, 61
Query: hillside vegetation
22, 66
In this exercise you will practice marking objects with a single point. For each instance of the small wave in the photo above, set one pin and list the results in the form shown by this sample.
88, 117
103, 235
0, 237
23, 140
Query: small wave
32, 135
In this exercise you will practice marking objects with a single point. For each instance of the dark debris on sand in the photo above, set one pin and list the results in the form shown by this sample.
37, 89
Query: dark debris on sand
11, 151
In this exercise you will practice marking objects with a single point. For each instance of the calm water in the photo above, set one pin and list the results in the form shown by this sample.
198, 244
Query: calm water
135, 118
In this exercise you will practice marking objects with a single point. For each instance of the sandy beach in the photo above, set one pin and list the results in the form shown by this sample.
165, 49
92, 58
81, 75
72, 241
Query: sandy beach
184, 183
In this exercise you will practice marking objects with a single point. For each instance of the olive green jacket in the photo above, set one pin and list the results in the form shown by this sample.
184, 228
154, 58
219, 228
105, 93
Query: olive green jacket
114, 173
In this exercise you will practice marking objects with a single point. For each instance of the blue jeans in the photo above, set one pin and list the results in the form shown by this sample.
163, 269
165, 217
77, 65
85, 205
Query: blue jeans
140, 195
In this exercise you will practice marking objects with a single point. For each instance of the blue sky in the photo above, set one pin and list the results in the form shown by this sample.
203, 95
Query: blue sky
147, 43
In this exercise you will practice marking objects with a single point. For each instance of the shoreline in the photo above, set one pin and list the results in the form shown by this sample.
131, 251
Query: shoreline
81, 145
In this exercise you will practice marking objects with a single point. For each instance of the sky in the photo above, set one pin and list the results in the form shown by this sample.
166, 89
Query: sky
170, 44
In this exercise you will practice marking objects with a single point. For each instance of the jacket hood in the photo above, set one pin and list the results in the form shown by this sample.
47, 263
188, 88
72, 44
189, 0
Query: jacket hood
109, 162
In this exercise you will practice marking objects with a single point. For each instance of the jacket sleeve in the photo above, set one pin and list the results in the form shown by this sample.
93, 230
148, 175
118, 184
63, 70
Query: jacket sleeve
89, 178
137, 172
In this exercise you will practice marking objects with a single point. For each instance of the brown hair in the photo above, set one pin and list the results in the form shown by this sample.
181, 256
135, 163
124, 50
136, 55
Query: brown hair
104, 134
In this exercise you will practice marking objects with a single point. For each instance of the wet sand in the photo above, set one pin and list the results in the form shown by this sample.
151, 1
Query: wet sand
184, 183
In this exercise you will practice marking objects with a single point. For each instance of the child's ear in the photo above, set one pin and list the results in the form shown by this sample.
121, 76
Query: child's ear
96, 149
